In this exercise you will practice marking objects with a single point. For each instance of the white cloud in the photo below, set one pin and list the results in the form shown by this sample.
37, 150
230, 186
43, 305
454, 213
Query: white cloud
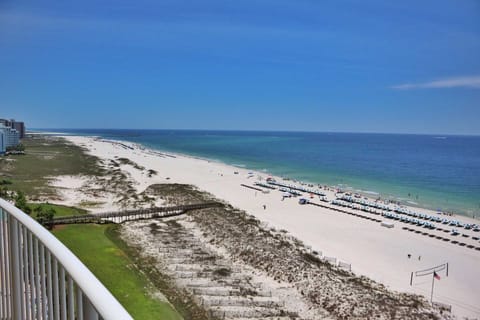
456, 82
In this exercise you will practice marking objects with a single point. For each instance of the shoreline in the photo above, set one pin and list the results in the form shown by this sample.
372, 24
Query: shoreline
372, 195
372, 251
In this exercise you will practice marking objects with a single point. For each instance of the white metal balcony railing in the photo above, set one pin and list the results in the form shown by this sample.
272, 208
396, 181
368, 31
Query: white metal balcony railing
41, 279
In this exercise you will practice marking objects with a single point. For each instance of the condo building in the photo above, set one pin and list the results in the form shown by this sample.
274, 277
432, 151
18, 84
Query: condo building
17, 125
11, 132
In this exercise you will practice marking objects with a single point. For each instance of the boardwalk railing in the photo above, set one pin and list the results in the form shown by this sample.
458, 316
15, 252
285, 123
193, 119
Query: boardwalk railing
41, 279
128, 215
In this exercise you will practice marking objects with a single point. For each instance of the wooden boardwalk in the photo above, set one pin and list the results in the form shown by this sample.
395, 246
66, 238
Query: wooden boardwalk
130, 215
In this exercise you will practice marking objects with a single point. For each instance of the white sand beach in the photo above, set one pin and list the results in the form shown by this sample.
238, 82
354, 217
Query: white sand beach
372, 250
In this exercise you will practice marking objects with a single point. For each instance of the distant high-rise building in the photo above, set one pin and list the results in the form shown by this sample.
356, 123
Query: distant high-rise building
10, 136
19, 126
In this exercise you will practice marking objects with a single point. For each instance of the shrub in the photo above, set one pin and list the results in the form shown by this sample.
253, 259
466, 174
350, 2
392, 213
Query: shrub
45, 217
5, 182
18, 147
21, 202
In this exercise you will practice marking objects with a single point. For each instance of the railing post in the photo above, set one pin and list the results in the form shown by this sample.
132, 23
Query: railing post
79, 304
89, 312
15, 269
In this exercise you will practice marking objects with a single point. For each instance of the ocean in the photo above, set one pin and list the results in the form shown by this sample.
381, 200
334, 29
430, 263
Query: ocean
430, 171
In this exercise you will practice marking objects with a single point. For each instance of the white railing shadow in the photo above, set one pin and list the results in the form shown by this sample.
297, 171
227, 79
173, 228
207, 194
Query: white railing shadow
40, 278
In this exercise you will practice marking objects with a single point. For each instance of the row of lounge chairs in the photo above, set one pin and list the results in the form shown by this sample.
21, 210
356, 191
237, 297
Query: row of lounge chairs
350, 205
412, 221
264, 185
401, 218
462, 244
295, 187
363, 202
451, 222
355, 214
405, 211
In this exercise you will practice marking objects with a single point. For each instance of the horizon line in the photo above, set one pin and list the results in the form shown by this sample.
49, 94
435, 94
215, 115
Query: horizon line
271, 130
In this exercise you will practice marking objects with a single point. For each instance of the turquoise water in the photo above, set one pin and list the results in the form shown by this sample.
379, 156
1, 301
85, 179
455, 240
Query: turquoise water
436, 172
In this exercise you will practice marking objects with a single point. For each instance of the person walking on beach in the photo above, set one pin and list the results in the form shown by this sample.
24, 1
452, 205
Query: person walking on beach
264, 207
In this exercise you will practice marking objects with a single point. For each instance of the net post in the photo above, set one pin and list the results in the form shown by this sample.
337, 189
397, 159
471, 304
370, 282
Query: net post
433, 282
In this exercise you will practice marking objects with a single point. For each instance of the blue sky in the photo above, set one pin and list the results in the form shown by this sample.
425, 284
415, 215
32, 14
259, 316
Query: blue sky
357, 66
